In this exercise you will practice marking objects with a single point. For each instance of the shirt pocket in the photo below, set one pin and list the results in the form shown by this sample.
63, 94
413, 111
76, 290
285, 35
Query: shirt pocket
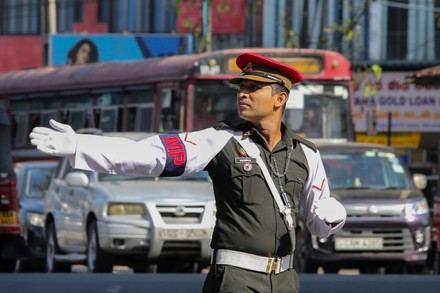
294, 184
250, 184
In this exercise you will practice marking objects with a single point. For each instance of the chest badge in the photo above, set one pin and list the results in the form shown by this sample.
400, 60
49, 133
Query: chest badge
247, 167
242, 152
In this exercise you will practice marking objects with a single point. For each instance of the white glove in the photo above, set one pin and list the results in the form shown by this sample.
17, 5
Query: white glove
59, 141
330, 210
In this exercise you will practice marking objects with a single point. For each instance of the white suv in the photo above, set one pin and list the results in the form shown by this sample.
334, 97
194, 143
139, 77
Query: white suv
148, 224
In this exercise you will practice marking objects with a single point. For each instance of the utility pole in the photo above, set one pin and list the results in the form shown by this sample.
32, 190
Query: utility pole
52, 17
207, 24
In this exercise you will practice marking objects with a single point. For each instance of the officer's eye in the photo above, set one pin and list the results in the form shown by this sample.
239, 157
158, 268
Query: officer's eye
249, 87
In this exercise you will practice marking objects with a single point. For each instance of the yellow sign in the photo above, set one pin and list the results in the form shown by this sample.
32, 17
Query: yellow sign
8, 217
303, 64
403, 140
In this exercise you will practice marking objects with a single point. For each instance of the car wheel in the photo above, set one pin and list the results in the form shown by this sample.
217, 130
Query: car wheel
330, 269
7, 265
24, 266
371, 270
52, 248
147, 268
97, 260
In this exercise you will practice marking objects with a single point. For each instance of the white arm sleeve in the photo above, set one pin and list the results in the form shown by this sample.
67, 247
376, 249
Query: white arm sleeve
166, 155
316, 188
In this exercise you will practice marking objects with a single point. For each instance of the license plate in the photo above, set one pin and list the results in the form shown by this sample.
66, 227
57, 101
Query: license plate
358, 243
183, 234
8, 217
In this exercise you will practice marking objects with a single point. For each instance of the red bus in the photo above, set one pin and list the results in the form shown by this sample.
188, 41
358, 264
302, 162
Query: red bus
170, 94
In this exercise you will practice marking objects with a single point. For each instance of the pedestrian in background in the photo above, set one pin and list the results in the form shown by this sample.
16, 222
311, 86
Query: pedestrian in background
261, 172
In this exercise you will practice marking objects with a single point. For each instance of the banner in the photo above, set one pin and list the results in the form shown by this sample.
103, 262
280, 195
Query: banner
413, 108
80, 49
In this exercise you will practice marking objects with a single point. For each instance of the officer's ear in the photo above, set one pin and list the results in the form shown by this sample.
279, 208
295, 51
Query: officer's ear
281, 99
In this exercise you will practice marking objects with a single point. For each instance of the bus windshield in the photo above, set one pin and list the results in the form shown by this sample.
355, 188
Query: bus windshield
318, 111
213, 101
313, 110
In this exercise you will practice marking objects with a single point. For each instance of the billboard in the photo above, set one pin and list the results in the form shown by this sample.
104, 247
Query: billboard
80, 49
412, 108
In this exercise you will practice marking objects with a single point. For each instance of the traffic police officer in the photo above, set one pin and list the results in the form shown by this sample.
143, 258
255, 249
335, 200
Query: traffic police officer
261, 172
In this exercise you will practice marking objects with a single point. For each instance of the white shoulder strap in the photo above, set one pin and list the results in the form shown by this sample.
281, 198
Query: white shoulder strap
252, 150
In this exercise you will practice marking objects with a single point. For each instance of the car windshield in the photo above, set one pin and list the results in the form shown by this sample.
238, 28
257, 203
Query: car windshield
37, 181
201, 176
364, 170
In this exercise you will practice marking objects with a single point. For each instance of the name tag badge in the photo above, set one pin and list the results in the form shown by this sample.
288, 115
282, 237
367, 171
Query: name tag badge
247, 162
242, 160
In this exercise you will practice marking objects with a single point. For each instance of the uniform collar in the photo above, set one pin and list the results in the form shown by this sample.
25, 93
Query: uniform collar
287, 139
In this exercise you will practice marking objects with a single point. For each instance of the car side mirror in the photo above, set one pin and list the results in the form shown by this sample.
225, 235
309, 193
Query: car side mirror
420, 180
77, 179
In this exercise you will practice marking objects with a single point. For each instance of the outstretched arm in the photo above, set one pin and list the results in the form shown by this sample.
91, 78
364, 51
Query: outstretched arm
159, 155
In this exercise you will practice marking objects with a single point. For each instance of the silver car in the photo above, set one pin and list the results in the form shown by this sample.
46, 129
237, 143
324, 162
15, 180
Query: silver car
148, 224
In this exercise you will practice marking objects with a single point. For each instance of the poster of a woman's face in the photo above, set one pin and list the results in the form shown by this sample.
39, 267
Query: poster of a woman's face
85, 51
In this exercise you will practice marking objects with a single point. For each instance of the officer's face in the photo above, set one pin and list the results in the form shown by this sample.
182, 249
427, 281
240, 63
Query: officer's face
255, 100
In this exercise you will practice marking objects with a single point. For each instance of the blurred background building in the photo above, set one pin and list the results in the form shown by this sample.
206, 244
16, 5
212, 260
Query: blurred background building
385, 40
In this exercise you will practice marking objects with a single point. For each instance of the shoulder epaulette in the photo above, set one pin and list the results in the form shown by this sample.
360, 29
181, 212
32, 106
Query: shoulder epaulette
306, 142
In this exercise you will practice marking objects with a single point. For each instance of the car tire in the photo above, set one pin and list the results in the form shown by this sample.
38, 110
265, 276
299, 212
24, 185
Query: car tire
52, 248
330, 269
98, 261
7, 265
147, 268
28, 266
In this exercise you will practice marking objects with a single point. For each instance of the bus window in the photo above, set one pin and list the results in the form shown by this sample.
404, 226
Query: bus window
145, 119
204, 116
169, 113
19, 122
77, 118
107, 109
41, 110
108, 121
312, 122
75, 109
213, 101
18, 128
140, 110
318, 111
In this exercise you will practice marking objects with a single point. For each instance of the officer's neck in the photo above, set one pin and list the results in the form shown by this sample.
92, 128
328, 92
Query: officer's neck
270, 132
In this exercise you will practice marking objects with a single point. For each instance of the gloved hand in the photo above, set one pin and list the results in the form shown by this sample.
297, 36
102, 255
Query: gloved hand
59, 141
330, 210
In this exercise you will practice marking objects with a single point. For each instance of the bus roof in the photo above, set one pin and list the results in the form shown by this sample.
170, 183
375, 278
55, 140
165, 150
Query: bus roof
173, 68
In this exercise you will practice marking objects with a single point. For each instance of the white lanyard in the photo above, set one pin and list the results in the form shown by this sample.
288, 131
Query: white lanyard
252, 150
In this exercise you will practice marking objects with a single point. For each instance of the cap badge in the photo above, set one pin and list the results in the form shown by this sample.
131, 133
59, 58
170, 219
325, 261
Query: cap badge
248, 68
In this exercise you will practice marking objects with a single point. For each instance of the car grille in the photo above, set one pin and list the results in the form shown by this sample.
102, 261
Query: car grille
181, 214
375, 211
394, 240
182, 247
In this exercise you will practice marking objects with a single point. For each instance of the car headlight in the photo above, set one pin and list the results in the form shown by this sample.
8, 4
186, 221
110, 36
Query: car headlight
35, 219
416, 208
123, 209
